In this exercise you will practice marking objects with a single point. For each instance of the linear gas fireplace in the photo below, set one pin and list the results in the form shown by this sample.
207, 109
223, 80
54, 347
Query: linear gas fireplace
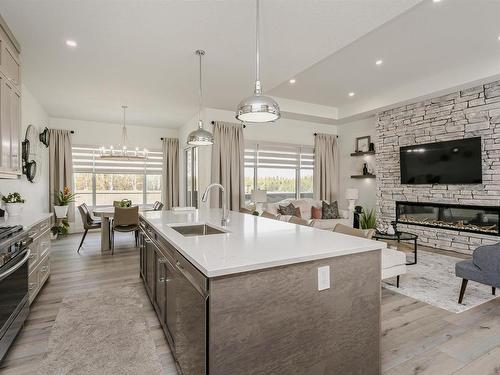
476, 219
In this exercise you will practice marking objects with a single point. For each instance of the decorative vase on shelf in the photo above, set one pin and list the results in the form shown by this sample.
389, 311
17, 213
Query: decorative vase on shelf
61, 211
365, 169
14, 209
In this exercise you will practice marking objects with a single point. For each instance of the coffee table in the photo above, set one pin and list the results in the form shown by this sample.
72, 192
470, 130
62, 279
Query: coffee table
400, 236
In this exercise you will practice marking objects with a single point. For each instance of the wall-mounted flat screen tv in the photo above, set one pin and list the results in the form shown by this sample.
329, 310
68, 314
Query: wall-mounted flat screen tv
450, 162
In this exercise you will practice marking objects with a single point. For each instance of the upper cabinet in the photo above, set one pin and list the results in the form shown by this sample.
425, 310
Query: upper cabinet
10, 104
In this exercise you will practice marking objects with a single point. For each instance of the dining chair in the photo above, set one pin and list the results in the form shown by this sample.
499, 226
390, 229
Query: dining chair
157, 206
89, 222
126, 219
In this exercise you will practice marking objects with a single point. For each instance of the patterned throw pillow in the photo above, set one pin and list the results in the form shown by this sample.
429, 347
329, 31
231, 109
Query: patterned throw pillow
330, 211
289, 210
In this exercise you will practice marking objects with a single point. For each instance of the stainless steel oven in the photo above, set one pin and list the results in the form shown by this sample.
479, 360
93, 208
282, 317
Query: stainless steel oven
14, 306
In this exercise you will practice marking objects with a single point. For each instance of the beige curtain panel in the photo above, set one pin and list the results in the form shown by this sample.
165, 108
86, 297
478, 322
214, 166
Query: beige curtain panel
60, 167
325, 176
170, 173
227, 164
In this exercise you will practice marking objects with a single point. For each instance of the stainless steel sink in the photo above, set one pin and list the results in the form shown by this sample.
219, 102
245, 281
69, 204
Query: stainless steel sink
197, 230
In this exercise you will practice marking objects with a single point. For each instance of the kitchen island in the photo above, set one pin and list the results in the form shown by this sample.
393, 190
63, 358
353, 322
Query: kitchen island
261, 296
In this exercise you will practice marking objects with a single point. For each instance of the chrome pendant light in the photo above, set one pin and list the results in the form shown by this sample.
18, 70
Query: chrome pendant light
258, 108
200, 136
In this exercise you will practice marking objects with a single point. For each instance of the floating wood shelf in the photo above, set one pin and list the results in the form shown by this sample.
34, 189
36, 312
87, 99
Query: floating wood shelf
361, 153
364, 176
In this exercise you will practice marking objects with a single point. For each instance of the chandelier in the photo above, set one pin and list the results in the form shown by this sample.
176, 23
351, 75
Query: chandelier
123, 152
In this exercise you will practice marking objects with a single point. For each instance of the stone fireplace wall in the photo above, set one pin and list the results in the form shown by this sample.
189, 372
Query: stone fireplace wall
468, 113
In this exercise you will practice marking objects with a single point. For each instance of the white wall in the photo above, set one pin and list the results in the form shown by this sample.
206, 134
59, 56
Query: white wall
36, 194
350, 165
102, 133
282, 131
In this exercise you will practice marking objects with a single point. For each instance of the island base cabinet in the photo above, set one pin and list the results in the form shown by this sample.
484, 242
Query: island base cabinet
270, 321
276, 321
191, 327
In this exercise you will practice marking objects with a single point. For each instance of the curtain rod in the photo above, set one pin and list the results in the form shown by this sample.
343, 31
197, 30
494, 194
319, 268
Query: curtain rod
213, 123
336, 136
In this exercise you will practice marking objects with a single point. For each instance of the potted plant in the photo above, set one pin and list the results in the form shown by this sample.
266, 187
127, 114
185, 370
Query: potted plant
367, 219
13, 203
62, 200
59, 229
124, 203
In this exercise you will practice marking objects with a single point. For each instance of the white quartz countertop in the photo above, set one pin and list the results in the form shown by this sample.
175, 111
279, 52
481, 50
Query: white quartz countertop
251, 243
25, 219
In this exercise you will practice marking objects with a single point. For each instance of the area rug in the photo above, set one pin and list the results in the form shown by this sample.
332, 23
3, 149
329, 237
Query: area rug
101, 332
432, 280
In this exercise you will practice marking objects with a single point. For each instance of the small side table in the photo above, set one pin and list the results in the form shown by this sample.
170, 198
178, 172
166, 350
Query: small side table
400, 236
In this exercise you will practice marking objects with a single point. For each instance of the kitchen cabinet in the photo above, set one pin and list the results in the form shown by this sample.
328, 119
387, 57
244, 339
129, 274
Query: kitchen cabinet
161, 277
179, 297
142, 255
190, 342
171, 304
150, 266
39, 260
10, 104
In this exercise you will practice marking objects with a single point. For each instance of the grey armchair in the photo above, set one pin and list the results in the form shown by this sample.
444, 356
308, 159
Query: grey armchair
484, 267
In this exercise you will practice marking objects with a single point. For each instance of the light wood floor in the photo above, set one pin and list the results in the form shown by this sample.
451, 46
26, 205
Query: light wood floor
416, 338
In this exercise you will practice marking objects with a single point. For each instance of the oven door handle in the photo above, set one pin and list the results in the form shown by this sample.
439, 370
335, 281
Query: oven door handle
16, 266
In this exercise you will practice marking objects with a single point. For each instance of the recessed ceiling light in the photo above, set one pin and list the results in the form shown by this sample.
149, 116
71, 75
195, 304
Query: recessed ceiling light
352, 94
499, 37
292, 81
436, 1
379, 62
71, 43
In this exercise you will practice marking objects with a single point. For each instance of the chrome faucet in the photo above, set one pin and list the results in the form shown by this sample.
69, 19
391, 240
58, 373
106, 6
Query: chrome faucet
225, 210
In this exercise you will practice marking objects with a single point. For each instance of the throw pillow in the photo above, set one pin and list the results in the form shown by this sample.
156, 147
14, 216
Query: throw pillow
330, 211
316, 212
289, 210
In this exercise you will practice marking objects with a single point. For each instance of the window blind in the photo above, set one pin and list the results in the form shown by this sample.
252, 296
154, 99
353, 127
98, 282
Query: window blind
86, 160
264, 155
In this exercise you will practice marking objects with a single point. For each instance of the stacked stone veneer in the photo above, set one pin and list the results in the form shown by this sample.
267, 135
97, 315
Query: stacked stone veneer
468, 113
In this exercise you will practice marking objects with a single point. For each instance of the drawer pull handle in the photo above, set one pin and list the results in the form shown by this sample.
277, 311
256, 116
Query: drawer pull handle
44, 269
162, 260
32, 286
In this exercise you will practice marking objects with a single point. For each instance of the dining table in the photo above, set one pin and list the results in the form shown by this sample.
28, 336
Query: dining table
106, 214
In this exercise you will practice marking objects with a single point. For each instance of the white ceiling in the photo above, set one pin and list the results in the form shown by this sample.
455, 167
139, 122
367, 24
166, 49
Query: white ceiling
431, 48
140, 53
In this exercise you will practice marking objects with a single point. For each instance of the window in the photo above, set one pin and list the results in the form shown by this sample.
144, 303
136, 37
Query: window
99, 182
285, 171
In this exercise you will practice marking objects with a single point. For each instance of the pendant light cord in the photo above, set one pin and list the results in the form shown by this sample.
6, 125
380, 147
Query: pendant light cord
124, 129
257, 49
200, 53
